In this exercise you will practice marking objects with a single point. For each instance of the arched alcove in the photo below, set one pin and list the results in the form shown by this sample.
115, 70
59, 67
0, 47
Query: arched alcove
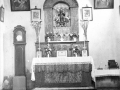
49, 9
51, 3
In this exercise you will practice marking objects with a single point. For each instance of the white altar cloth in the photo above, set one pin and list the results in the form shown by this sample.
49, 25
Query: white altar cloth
107, 72
61, 60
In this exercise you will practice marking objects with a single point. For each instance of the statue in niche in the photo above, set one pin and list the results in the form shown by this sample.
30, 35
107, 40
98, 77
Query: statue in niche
62, 18
61, 22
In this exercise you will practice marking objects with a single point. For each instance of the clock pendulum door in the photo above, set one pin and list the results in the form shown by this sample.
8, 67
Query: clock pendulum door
19, 60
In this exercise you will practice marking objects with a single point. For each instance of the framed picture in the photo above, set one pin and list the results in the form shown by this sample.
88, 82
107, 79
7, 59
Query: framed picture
87, 13
2, 14
35, 14
103, 4
20, 5
62, 53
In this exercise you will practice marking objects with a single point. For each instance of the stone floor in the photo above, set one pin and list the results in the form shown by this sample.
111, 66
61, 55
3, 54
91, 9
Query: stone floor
78, 88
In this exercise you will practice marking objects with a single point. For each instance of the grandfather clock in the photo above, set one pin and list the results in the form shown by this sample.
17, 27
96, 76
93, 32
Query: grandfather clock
19, 43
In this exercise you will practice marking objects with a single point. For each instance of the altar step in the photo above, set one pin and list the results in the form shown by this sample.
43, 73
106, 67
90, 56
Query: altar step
71, 88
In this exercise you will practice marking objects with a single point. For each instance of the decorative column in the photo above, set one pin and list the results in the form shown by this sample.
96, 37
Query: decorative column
86, 17
36, 24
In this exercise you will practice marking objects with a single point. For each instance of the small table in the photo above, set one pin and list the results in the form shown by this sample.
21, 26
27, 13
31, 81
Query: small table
107, 72
107, 78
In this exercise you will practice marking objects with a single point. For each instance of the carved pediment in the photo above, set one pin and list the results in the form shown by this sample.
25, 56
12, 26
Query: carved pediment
51, 3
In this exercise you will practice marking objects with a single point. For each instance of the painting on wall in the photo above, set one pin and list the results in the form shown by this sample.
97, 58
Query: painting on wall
35, 14
87, 13
2, 14
20, 5
103, 4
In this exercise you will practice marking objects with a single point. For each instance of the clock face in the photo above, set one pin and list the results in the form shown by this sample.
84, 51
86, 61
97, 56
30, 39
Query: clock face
19, 36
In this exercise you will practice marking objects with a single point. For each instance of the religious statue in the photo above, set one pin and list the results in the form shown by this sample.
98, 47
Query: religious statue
61, 22
62, 18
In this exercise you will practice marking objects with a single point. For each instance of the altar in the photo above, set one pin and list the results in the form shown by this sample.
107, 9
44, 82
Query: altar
62, 71
62, 60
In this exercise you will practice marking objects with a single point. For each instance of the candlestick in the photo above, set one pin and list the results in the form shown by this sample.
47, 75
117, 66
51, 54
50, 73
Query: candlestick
48, 55
84, 44
39, 41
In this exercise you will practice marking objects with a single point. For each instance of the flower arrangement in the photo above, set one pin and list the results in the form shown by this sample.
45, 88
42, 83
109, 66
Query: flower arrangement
73, 36
49, 36
36, 25
48, 51
76, 50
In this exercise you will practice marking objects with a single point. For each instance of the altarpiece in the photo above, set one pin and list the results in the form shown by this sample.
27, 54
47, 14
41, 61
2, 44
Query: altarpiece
61, 34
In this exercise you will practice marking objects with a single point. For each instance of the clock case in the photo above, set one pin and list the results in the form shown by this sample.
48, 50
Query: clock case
19, 50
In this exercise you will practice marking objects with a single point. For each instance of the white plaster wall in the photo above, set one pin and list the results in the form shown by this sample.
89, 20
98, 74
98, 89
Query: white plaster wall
1, 49
12, 19
105, 30
103, 33
117, 31
1, 55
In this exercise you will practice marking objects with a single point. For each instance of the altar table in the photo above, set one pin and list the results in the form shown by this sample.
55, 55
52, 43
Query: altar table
62, 71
